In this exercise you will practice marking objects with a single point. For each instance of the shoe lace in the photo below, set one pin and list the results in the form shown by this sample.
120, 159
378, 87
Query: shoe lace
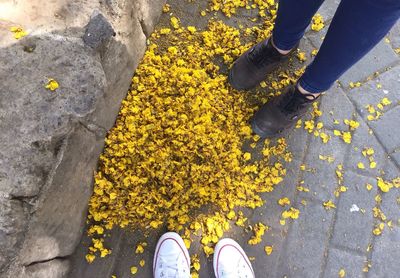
292, 102
237, 272
260, 55
170, 268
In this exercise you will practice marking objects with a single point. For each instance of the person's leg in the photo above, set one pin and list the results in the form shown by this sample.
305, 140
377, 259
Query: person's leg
230, 260
356, 28
292, 19
251, 67
171, 258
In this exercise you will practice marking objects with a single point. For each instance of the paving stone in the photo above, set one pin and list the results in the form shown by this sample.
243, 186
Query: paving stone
328, 9
362, 138
316, 38
297, 142
320, 176
394, 35
335, 105
263, 263
386, 129
391, 170
368, 93
396, 156
390, 205
100, 267
350, 262
270, 213
306, 243
353, 230
385, 255
379, 58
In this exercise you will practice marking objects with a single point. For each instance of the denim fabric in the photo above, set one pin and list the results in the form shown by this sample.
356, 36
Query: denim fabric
356, 27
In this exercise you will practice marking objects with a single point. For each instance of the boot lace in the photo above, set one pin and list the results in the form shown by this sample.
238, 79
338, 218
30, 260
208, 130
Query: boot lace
292, 103
260, 55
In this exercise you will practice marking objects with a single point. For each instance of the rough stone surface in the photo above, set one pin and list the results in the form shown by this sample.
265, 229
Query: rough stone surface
319, 176
384, 127
363, 138
98, 31
370, 94
394, 35
55, 269
308, 237
336, 106
378, 59
51, 140
386, 252
350, 262
353, 228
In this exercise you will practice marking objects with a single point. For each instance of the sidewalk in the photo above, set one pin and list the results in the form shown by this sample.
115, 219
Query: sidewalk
323, 240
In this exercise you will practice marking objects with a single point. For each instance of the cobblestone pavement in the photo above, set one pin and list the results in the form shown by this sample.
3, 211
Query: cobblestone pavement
320, 242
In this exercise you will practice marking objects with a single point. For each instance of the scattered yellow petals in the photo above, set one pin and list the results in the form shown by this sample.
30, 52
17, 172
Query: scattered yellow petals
134, 270
90, 258
384, 186
18, 32
259, 230
52, 85
247, 156
360, 165
301, 56
174, 22
268, 249
284, 201
329, 205
317, 22
291, 213
342, 273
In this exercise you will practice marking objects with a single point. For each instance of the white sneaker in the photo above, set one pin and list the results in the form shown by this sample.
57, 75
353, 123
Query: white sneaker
171, 258
230, 260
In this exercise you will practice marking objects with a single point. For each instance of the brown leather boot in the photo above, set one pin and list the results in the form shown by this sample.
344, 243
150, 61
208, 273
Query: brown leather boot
281, 113
252, 67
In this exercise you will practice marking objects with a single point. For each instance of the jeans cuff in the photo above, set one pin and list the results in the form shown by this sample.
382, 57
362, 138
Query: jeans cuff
309, 88
282, 45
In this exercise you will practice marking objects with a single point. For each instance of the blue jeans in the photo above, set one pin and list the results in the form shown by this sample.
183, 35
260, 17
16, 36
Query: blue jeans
357, 26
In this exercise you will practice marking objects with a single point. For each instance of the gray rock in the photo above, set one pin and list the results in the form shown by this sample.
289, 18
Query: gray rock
51, 269
98, 31
57, 224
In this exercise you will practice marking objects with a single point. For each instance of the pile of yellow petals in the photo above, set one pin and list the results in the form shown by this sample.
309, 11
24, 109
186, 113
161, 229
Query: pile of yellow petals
229, 7
317, 22
177, 143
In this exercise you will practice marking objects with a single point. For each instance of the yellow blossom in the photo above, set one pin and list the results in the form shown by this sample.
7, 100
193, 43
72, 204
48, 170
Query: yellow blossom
134, 270
317, 22
18, 32
329, 205
268, 249
52, 85
284, 201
